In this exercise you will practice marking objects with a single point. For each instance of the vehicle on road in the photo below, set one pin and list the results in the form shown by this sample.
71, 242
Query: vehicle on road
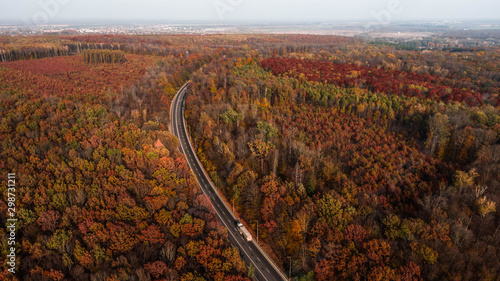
243, 230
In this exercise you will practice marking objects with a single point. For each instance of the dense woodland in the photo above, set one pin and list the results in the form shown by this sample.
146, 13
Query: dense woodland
103, 192
360, 161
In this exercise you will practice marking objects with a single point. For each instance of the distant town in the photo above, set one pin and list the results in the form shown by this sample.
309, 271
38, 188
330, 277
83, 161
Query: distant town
410, 36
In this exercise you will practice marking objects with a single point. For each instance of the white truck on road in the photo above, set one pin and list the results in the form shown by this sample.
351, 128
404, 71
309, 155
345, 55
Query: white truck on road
243, 230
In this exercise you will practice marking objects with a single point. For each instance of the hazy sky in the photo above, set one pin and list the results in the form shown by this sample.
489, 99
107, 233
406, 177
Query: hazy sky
41, 11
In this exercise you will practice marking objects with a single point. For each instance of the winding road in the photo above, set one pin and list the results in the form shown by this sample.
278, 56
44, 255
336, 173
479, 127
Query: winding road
265, 269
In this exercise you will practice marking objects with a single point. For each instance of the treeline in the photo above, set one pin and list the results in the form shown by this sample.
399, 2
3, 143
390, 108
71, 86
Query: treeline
98, 56
63, 50
68, 49
33, 53
132, 48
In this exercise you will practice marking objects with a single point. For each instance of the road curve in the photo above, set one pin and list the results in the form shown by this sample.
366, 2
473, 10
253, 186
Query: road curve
265, 269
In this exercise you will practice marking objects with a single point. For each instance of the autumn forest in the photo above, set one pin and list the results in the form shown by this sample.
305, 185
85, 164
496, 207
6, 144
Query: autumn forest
355, 160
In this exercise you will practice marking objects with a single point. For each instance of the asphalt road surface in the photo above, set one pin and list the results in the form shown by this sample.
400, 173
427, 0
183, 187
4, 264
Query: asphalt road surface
265, 270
